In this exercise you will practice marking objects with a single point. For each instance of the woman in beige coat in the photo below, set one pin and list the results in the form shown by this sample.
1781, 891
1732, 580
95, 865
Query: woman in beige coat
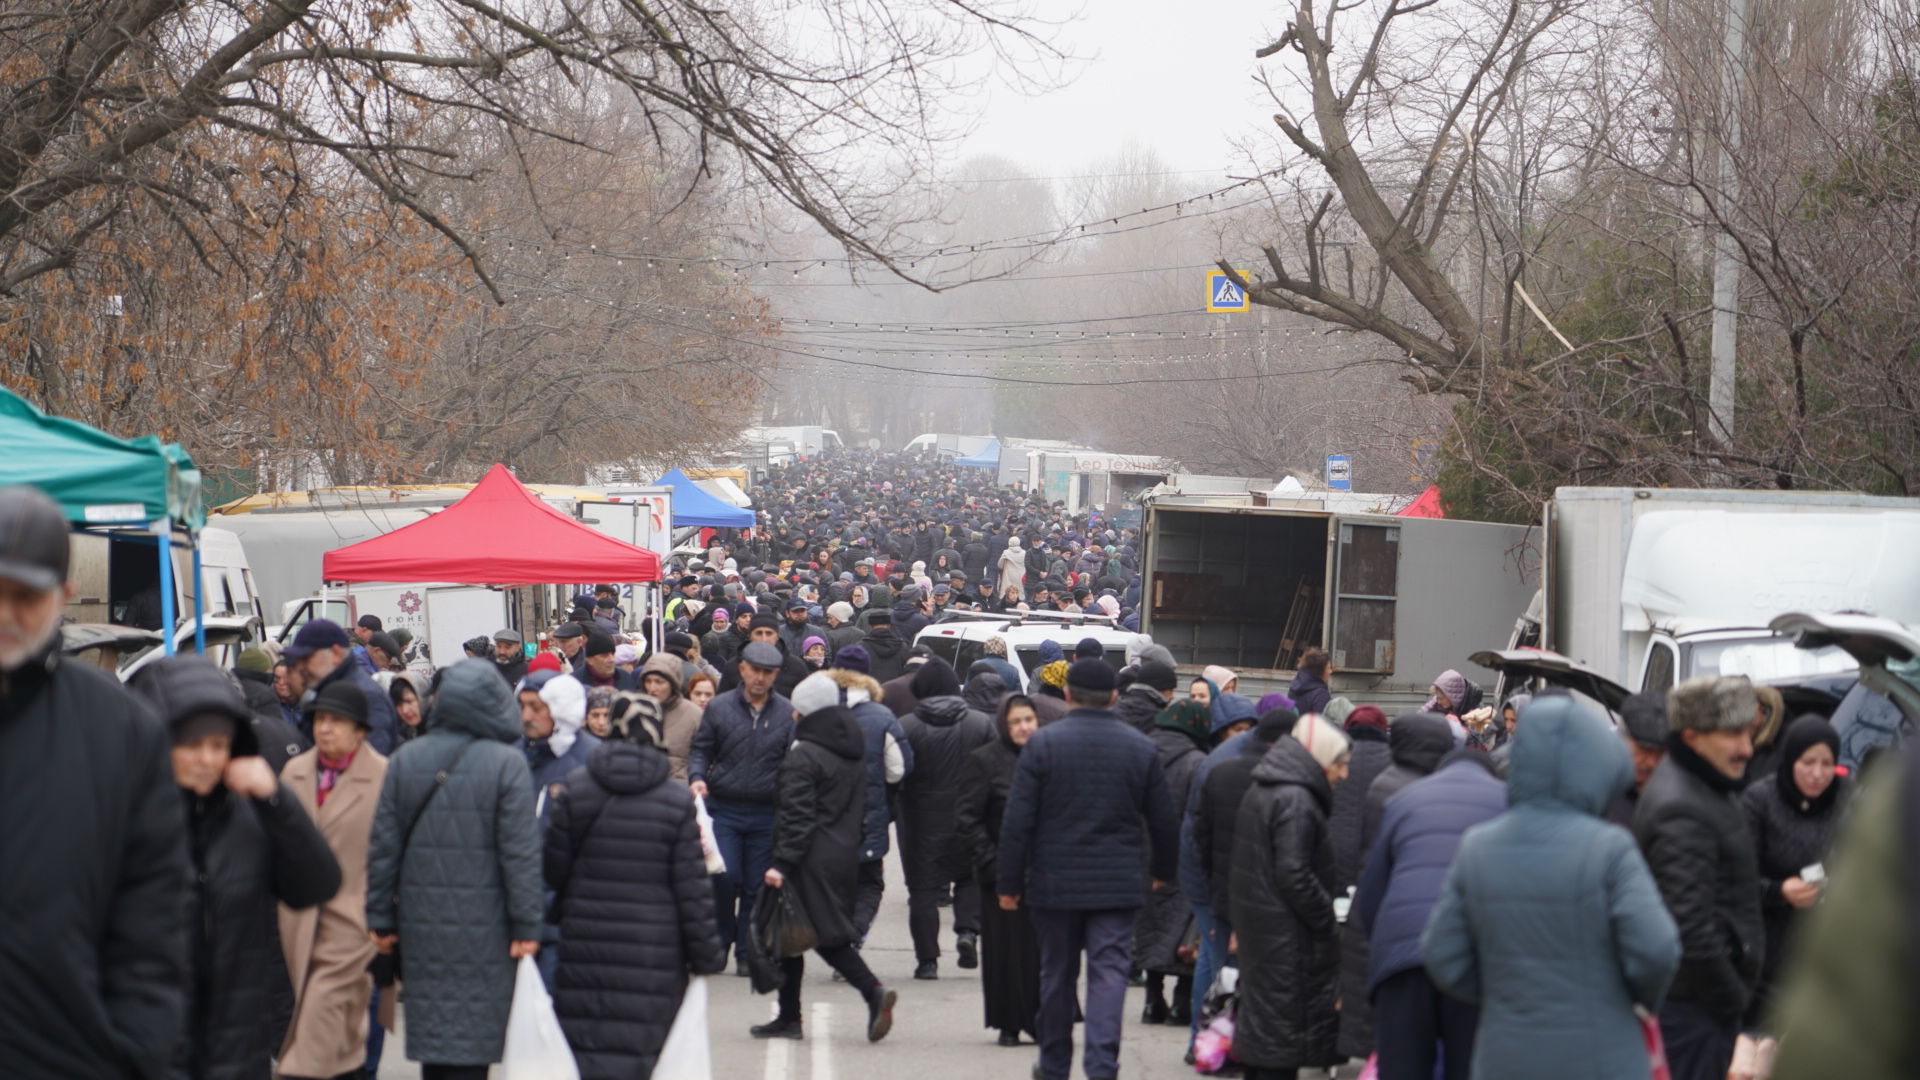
327, 948
680, 718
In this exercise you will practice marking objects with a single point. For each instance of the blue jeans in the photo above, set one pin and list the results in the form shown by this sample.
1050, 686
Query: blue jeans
744, 832
1206, 966
1107, 939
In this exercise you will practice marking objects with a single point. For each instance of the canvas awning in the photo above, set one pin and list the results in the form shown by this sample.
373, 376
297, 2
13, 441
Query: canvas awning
499, 534
988, 456
694, 507
96, 478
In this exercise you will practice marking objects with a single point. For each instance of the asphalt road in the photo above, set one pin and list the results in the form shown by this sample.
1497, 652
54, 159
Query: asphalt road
937, 1028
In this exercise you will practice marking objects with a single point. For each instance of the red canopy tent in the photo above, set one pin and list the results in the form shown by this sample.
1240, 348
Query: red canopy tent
498, 534
1426, 506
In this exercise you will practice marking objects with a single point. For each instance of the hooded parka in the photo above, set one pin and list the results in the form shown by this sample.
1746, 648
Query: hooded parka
466, 884
635, 907
819, 820
1282, 902
247, 854
1549, 917
943, 730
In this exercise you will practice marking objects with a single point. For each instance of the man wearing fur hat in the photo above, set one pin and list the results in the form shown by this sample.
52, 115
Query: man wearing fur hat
1691, 829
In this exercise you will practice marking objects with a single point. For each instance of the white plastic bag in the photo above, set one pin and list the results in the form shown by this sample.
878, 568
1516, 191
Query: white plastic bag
709, 847
536, 1047
687, 1056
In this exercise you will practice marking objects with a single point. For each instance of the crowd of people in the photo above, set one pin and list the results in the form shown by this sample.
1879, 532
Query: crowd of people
253, 865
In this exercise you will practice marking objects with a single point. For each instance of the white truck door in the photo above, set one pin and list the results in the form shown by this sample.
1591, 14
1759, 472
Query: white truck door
458, 613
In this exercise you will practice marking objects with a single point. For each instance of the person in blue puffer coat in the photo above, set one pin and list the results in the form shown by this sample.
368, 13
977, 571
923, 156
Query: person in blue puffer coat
553, 706
1550, 918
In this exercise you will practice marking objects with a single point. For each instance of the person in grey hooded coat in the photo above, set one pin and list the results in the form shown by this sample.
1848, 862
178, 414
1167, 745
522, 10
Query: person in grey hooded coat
1549, 917
453, 871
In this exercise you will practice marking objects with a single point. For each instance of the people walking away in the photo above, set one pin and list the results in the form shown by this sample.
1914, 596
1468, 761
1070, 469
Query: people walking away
1309, 689
1281, 897
819, 820
633, 905
251, 844
1182, 735
943, 730
1549, 919
453, 872
326, 947
1419, 835
1691, 829
660, 677
320, 651
889, 761
1141, 704
93, 953
1009, 949
1087, 796
1367, 729
1792, 819
734, 762
1416, 743
1643, 725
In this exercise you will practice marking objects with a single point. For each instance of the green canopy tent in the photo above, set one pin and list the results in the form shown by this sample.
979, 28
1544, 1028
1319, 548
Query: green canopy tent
101, 481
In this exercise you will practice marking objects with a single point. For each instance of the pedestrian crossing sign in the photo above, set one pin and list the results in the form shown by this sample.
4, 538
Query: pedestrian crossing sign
1224, 294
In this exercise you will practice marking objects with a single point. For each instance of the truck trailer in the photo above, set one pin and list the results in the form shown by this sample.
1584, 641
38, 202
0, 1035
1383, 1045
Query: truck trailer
1395, 601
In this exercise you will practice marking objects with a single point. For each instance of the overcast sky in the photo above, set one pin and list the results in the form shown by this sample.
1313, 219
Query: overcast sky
1176, 78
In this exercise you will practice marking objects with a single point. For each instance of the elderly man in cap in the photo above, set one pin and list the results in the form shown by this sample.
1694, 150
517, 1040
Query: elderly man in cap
798, 627
368, 626
510, 655
571, 639
1694, 835
320, 652
1643, 724
93, 953
1087, 796
734, 765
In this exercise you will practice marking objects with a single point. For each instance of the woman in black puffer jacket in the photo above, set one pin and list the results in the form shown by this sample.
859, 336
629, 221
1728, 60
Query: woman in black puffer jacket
1791, 817
253, 848
1282, 901
634, 903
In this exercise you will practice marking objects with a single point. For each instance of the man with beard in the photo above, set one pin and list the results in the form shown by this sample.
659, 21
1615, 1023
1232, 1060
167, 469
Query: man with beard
93, 955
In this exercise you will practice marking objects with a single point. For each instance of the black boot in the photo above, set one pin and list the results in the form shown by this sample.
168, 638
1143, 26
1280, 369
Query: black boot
1181, 1014
880, 1013
1009, 1038
968, 947
927, 969
1156, 1010
778, 1029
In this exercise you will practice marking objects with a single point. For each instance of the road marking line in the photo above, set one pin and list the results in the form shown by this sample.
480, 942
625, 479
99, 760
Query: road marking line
777, 1058
822, 1041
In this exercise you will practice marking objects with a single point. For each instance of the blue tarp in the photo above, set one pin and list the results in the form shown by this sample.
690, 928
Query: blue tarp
692, 506
987, 458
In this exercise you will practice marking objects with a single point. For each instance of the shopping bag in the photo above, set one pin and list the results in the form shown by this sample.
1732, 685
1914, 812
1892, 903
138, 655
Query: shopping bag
687, 1055
1371, 1070
1656, 1045
1213, 1046
536, 1047
709, 847
765, 975
782, 924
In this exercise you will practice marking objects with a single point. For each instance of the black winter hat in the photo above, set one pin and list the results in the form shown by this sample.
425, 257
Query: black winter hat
341, 698
1090, 674
1159, 676
934, 679
599, 644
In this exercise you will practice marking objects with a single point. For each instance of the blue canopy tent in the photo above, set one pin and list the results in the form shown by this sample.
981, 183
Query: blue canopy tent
692, 506
987, 458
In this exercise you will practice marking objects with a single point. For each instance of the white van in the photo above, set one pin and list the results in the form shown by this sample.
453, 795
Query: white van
960, 638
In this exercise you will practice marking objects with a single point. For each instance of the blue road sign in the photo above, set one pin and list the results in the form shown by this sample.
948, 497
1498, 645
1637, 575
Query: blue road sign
1340, 472
1223, 294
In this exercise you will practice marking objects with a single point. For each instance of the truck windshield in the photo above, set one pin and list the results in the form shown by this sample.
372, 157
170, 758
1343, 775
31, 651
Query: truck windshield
1766, 659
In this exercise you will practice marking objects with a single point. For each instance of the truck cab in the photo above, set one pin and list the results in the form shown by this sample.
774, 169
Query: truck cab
1673, 656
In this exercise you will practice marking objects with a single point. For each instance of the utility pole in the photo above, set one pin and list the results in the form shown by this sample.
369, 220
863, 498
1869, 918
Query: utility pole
1726, 261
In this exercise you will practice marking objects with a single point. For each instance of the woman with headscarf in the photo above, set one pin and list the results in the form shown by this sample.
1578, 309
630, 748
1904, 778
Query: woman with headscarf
1009, 948
407, 691
553, 715
1791, 818
1203, 690
1281, 893
1182, 734
636, 915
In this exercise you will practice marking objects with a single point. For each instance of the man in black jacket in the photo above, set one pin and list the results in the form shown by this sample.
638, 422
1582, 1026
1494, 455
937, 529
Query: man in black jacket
885, 650
1690, 827
942, 730
1088, 793
93, 953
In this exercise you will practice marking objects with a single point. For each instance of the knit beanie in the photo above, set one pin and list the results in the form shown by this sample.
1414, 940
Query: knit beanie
815, 692
1338, 709
1324, 741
